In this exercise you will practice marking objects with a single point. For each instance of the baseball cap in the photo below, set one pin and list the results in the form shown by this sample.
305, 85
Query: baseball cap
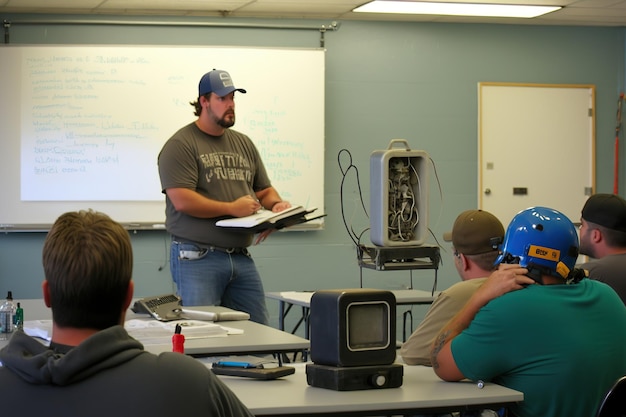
608, 210
474, 232
218, 82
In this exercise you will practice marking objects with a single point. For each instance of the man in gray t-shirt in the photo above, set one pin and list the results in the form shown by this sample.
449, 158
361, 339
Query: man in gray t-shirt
603, 237
209, 172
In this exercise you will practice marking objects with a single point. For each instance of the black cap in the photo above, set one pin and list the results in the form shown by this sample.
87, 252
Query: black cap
608, 210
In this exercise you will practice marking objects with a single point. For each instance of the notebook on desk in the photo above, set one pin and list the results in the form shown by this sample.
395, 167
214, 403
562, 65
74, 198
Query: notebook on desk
169, 307
161, 307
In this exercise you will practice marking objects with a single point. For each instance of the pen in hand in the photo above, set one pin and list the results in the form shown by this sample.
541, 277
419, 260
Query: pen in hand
178, 340
258, 205
245, 205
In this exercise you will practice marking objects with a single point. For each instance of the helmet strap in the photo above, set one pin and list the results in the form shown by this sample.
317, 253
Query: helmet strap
535, 272
576, 275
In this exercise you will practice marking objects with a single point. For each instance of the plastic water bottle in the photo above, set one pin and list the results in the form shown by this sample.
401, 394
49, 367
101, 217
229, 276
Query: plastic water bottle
7, 314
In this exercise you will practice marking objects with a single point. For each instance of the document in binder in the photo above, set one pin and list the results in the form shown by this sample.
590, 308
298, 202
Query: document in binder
267, 219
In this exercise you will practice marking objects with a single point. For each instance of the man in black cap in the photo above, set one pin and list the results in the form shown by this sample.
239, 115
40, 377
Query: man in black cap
210, 172
603, 237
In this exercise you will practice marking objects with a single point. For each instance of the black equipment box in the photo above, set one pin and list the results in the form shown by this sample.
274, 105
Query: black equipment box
352, 378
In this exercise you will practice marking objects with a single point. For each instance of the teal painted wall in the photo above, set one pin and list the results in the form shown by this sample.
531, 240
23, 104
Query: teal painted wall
384, 80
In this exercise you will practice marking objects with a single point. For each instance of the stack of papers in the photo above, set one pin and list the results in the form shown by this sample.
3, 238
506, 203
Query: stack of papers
148, 332
41, 329
154, 332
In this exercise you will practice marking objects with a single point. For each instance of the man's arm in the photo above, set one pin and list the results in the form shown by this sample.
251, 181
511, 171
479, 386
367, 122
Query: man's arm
506, 278
194, 204
269, 198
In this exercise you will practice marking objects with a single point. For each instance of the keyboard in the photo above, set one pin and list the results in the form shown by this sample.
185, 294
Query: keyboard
161, 307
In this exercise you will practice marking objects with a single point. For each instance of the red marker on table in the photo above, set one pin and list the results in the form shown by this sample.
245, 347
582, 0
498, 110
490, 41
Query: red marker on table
178, 340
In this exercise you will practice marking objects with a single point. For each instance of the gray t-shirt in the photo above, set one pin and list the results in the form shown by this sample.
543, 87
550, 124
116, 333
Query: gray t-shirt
611, 270
221, 168
416, 350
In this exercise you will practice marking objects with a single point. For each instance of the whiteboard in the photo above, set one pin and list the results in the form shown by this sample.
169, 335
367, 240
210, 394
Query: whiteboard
82, 126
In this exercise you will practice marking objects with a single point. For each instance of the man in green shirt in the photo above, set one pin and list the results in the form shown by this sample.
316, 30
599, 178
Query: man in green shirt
539, 327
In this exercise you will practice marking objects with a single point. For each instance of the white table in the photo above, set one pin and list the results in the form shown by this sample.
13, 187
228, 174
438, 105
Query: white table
288, 299
256, 338
422, 392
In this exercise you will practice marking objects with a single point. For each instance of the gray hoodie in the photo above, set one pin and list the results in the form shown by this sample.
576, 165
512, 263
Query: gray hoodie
109, 374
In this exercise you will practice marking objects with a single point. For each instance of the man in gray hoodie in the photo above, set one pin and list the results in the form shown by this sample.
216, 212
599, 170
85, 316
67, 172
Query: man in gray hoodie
92, 366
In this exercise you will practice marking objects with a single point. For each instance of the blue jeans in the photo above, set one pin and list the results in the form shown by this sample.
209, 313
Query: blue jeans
213, 277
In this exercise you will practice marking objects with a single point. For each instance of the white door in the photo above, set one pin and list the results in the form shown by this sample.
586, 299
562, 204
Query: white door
536, 148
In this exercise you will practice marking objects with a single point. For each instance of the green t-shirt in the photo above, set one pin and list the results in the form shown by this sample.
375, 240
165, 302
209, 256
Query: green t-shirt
563, 346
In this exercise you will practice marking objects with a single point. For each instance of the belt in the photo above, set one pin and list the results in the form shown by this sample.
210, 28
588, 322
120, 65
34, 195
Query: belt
236, 251
242, 251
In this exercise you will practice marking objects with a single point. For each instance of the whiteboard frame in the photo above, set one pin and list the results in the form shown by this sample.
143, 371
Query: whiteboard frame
283, 70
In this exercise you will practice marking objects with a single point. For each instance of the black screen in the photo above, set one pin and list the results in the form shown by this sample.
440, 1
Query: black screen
367, 325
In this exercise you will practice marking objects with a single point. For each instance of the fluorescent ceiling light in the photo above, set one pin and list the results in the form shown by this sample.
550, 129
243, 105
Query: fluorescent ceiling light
455, 9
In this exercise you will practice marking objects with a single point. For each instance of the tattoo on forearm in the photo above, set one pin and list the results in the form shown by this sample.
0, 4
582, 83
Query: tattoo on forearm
437, 346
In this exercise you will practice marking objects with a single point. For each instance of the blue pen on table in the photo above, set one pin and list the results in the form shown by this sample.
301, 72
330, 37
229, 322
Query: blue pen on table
236, 364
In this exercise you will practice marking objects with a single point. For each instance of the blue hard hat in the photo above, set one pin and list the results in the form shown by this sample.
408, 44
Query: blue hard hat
543, 240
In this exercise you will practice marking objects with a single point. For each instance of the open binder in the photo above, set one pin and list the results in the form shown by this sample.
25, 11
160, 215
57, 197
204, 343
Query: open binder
267, 219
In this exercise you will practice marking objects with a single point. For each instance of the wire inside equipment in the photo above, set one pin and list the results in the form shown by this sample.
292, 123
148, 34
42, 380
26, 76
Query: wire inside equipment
403, 207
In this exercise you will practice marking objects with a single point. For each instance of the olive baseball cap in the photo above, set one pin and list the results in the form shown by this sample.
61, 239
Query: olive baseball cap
475, 231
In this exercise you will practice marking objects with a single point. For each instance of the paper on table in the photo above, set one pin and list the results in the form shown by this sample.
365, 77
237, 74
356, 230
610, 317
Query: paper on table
232, 330
154, 332
41, 329
148, 332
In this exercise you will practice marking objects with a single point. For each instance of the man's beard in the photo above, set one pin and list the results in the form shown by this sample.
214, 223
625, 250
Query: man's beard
585, 248
225, 123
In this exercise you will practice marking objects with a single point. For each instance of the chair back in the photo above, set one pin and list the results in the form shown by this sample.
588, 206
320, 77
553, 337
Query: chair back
614, 403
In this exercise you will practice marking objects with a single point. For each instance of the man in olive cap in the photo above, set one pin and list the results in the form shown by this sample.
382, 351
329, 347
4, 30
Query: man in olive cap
603, 237
475, 237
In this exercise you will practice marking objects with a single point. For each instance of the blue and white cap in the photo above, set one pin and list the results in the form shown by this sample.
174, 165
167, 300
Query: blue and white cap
217, 82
